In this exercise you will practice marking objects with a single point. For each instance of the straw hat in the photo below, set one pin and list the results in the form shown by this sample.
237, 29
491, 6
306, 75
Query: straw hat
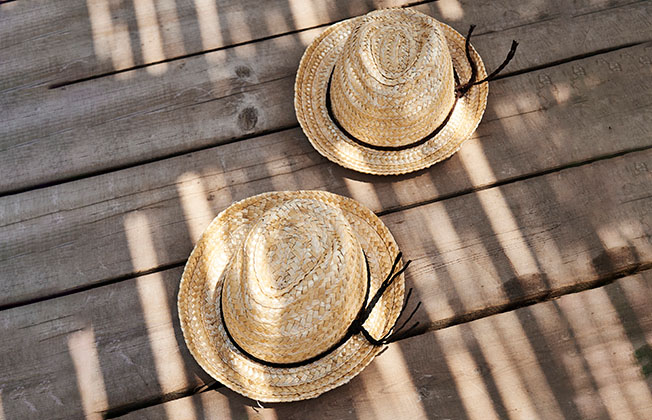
377, 93
290, 294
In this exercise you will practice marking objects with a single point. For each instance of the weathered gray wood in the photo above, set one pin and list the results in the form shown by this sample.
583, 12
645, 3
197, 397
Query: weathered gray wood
576, 358
72, 356
52, 135
120, 345
76, 234
71, 40
112, 346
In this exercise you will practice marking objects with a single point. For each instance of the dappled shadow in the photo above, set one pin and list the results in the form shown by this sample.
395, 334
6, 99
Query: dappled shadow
119, 347
625, 302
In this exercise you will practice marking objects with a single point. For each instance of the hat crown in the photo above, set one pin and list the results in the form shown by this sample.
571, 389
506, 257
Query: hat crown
393, 83
388, 52
298, 283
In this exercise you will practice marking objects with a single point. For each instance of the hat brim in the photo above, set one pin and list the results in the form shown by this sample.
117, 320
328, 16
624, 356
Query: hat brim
310, 106
199, 311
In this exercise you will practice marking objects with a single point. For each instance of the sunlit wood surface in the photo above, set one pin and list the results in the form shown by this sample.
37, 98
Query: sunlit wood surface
125, 127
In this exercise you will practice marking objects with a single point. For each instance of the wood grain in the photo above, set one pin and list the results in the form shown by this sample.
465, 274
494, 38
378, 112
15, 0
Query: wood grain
75, 234
473, 255
551, 197
72, 40
119, 346
53, 135
578, 357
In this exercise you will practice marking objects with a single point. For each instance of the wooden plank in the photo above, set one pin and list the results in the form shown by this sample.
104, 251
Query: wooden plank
73, 356
76, 234
575, 358
54, 135
71, 40
119, 346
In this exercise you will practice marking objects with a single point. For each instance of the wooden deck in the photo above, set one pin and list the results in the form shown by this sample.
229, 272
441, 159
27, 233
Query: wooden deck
125, 127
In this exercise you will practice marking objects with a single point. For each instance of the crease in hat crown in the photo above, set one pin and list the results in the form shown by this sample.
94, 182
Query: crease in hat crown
297, 283
393, 83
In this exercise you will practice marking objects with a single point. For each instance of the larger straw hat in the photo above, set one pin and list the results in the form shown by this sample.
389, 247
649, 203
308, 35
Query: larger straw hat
290, 294
377, 93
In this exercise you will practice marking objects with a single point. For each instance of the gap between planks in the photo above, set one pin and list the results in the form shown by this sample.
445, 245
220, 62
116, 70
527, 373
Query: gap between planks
31, 142
505, 147
163, 157
116, 168
443, 324
298, 31
197, 53
583, 356
462, 263
330, 12
453, 321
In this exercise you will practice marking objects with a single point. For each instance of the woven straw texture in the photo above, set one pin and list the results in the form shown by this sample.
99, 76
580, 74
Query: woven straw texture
288, 272
392, 84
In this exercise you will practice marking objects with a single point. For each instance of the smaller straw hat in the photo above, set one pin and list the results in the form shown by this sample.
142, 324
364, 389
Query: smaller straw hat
290, 294
390, 92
